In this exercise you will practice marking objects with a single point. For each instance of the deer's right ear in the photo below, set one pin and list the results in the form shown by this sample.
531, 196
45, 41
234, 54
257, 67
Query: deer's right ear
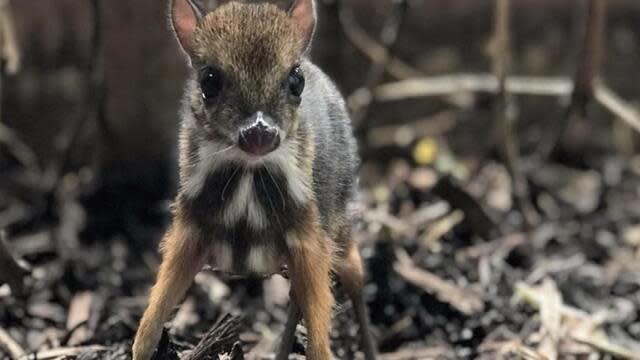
303, 13
185, 15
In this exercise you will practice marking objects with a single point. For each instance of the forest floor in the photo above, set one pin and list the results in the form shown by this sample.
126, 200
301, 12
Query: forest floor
453, 272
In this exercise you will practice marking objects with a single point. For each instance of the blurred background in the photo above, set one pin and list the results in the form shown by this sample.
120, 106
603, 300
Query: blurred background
500, 180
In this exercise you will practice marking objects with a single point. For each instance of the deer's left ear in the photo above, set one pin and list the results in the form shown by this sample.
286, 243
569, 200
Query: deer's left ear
303, 12
184, 16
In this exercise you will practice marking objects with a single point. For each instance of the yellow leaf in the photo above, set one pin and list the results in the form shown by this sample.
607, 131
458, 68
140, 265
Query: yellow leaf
425, 151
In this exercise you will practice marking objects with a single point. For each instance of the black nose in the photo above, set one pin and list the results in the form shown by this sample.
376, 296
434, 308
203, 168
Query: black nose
259, 138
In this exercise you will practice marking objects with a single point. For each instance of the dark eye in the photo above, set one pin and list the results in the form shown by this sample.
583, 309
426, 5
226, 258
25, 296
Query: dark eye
296, 81
210, 83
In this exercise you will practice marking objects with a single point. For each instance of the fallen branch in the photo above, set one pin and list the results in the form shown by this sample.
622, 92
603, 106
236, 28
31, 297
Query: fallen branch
455, 84
464, 300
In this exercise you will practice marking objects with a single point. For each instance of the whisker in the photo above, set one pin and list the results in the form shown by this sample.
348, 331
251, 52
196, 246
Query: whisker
264, 187
277, 187
228, 182
242, 136
208, 156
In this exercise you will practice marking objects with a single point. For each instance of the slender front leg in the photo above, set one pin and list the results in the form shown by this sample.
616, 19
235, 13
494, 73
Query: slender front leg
182, 258
351, 276
310, 267
289, 334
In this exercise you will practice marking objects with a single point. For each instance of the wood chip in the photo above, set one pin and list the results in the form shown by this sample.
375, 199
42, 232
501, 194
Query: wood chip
440, 228
63, 352
79, 311
8, 344
550, 309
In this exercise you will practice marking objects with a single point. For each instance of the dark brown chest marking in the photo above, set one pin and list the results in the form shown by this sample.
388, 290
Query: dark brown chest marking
247, 211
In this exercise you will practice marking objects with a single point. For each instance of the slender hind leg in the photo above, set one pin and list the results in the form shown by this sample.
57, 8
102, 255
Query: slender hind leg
351, 275
289, 334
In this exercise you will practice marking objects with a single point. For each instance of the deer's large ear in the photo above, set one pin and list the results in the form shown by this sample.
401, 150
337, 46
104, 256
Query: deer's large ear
185, 15
303, 12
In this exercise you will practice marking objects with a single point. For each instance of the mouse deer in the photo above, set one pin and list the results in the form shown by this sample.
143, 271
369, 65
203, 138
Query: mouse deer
268, 169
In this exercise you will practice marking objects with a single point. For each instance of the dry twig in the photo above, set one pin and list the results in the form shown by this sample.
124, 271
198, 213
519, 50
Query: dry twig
453, 84
9, 50
20, 151
94, 107
583, 91
221, 339
617, 106
372, 49
430, 240
10, 64
63, 352
13, 349
77, 318
361, 99
579, 325
464, 300
590, 55
506, 111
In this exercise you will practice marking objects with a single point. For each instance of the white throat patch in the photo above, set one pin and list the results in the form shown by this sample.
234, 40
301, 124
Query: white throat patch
242, 202
245, 205
286, 161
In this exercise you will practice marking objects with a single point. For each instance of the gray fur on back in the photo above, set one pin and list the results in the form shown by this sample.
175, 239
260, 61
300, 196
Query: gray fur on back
324, 112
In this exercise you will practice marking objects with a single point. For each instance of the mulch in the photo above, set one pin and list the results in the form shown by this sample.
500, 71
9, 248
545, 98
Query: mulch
454, 272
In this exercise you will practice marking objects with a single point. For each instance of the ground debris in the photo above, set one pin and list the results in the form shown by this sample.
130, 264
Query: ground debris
442, 239
221, 342
13, 271
464, 300
569, 324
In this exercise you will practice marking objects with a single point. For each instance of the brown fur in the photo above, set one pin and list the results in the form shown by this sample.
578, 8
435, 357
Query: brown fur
183, 256
249, 43
311, 284
254, 48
